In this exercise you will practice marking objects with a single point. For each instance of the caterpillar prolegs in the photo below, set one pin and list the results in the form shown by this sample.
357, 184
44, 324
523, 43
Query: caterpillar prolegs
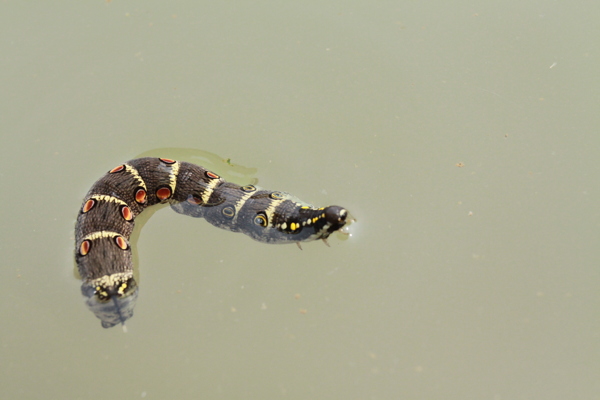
106, 220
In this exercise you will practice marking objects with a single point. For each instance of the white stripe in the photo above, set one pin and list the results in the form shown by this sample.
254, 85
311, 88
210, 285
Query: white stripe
136, 175
240, 203
173, 176
271, 209
111, 280
101, 234
109, 199
209, 189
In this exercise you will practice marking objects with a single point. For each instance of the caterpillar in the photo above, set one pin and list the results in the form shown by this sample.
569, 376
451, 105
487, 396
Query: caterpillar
106, 220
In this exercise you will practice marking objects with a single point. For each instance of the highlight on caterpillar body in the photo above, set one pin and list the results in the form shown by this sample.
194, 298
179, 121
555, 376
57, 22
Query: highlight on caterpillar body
109, 209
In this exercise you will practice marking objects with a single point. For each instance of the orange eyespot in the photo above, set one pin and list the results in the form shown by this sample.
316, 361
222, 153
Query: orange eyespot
163, 193
117, 169
85, 247
88, 205
140, 196
194, 200
121, 242
126, 213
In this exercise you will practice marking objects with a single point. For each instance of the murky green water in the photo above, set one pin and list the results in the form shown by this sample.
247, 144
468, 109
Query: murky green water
463, 137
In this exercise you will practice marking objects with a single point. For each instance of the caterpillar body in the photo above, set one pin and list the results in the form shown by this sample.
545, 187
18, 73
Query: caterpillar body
107, 215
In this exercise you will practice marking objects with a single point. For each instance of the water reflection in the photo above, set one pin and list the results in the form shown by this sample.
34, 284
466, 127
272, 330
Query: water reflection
115, 308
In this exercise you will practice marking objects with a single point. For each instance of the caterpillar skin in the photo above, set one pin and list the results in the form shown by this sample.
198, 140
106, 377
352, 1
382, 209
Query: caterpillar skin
107, 216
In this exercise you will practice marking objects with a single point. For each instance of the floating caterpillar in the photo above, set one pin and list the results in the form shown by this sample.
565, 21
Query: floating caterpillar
106, 220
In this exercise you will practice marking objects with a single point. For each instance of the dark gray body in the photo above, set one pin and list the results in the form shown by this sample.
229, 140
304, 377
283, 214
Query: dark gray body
107, 216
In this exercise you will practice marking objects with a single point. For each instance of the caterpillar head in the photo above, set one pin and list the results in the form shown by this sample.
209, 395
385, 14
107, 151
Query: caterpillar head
335, 217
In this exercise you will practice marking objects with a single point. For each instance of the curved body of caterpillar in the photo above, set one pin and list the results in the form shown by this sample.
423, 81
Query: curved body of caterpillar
106, 220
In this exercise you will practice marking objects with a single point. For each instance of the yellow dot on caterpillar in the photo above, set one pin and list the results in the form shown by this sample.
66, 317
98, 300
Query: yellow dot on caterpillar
323, 215
314, 220
283, 226
122, 288
308, 221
